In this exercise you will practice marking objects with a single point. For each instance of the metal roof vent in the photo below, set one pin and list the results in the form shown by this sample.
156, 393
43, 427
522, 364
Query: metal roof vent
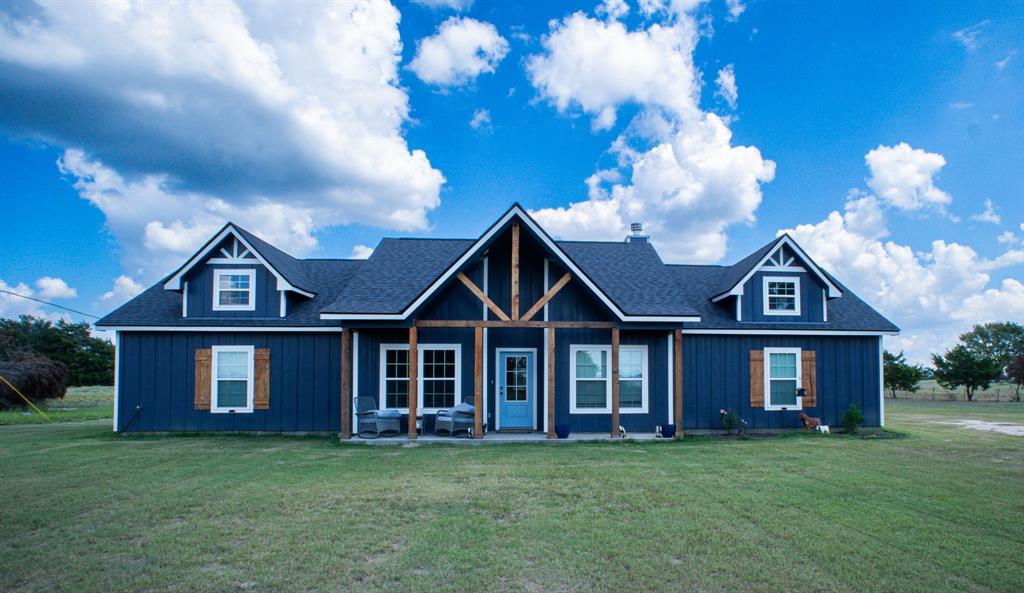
636, 233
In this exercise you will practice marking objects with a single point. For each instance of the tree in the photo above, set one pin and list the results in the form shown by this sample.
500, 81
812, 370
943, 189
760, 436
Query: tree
899, 375
1001, 341
90, 361
961, 367
1016, 372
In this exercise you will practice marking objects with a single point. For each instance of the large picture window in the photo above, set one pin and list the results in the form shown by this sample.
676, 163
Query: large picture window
782, 378
234, 290
590, 387
781, 295
438, 378
232, 376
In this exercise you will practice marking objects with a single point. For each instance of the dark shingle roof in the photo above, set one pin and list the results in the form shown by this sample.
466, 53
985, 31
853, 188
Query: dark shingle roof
292, 269
631, 274
397, 273
157, 306
729, 276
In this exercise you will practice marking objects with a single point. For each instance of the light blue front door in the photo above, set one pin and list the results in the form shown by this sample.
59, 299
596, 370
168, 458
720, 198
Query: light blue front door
515, 389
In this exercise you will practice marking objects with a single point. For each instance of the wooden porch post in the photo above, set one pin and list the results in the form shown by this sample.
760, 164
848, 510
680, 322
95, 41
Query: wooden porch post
615, 382
414, 368
551, 382
346, 383
515, 269
678, 394
478, 383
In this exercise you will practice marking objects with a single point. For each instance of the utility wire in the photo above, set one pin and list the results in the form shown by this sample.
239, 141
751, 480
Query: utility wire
25, 296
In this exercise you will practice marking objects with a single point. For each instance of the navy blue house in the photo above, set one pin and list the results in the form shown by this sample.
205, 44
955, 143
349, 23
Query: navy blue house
534, 332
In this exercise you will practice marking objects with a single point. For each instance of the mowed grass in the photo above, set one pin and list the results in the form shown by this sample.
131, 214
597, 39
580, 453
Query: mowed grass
939, 510
80, 403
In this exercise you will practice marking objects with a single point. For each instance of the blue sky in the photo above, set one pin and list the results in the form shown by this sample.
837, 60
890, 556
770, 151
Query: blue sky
818, 87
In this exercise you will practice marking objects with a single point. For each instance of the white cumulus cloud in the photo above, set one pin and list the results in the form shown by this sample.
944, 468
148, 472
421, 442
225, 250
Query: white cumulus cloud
124, 288
462, 49
49, 287
613, 9
736, 8
456, 5
969, 36
904, 177
481, 119
989, 214
678, 170
177, 117
361, 252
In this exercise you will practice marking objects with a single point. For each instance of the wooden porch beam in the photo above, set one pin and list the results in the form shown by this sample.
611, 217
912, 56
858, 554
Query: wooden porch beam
551, 383
677, 400
346, 383
414, 369
513, 323
515, 269
478, 383
550, 294
480, 294
615, 382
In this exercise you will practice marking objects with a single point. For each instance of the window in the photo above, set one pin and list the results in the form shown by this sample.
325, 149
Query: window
782, 378
232, 379
234, 290
781, 295
395, 377
590, 384
438, 380
633, 379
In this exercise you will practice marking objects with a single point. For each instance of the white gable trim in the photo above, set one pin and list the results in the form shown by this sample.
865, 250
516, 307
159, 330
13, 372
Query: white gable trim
472, 251
174, 282
737, 289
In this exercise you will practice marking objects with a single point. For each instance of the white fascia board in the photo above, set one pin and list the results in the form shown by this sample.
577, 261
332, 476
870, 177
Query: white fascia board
737, 289
215, 328
174, 282
787, 332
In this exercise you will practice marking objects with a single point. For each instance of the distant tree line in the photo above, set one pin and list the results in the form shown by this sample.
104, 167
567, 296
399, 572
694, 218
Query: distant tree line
89, 360
983, 355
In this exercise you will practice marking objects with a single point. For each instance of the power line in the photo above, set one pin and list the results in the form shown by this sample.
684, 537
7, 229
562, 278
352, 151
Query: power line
25, 296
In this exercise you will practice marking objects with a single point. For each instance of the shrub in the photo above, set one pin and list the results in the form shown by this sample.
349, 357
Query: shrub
852, 419
731, 420
37, 378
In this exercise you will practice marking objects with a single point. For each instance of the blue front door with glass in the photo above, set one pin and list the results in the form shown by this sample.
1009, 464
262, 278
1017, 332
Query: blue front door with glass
515, 389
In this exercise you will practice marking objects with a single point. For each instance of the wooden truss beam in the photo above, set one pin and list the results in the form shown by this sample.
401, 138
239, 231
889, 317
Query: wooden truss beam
551, 383
677, 399
413, 380
550, 294
480, 294
478, 383
515, 270
615, 383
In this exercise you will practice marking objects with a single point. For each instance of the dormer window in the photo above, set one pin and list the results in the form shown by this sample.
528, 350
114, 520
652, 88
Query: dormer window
234, 290
781, 295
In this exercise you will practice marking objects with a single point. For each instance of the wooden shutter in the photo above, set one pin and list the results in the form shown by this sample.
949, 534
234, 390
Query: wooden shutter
757, 378
809, 378
204, 357
261, 388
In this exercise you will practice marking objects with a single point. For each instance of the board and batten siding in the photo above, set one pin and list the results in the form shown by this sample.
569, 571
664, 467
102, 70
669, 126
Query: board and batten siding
811, 303
156, 373
716, 375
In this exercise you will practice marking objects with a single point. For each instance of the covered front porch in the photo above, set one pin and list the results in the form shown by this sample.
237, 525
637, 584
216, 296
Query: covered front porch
509, 438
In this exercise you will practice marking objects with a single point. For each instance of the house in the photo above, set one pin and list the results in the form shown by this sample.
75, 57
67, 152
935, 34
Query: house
534, 332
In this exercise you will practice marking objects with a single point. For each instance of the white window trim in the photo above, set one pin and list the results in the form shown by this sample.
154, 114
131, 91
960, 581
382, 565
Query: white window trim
573, 409
421, 348
768, 379
249, 381
796, 293
250, 272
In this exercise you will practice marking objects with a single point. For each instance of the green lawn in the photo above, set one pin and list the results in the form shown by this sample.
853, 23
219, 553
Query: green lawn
940, 510
80, 403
